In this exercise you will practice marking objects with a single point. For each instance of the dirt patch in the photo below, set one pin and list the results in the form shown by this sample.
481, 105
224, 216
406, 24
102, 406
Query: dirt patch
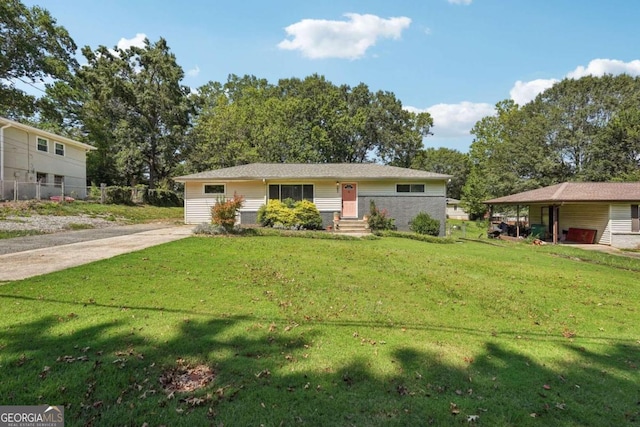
184, 379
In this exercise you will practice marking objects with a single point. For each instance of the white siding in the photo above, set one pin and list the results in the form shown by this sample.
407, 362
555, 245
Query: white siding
254, 194
327, 196
23, 161
621, 218
197, 204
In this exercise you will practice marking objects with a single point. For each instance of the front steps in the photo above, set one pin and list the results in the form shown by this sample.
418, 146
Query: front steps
347, 226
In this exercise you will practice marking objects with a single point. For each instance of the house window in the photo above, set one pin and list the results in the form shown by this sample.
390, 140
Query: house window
296, 192
41, 177
635, 219
58, 180
59, 149
214, 189
410, 188
43, 145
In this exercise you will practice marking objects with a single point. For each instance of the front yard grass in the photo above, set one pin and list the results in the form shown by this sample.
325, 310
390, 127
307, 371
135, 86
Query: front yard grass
128, 213
328, 332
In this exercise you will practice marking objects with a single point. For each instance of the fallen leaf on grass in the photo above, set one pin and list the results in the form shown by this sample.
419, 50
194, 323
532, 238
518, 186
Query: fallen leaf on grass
453, 408
44, 372
546, 387
473, 418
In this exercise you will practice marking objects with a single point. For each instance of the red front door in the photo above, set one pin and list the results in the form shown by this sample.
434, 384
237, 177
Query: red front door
349, 201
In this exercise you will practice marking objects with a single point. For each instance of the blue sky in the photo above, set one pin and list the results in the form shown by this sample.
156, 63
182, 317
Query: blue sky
453, 58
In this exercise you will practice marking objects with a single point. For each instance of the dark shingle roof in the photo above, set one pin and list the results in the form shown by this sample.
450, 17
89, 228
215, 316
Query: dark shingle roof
312, 171
575, 192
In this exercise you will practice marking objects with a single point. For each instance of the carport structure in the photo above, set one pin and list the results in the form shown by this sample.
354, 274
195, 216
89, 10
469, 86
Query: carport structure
589, 212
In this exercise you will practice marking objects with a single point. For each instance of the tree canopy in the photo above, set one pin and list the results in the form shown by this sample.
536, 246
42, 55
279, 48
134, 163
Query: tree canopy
583, 129
302, 120
32, 48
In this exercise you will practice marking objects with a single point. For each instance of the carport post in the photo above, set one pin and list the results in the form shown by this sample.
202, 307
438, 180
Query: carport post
556, 211
517, 220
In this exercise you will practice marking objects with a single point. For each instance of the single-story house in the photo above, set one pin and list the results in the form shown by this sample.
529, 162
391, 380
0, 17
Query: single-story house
588, 212
34, 162
345, 188
455, 211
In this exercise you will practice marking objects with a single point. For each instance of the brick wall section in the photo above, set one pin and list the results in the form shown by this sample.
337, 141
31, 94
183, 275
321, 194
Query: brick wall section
404, 208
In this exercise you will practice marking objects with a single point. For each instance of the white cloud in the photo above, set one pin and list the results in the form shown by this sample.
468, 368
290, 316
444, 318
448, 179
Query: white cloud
319, 38
455, 120
194, 72
124, 44
524, 92
600, 67
137, 41
465, 2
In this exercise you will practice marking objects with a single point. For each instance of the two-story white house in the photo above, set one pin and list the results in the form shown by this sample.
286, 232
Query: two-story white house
39, 164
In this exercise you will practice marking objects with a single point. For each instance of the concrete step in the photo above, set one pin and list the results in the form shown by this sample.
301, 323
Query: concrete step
352, 226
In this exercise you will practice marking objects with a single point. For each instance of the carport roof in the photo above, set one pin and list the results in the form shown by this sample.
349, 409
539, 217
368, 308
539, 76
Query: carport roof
340, 171
575, 192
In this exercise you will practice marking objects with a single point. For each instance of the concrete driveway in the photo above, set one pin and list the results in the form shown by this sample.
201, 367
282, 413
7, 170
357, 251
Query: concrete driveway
24, 257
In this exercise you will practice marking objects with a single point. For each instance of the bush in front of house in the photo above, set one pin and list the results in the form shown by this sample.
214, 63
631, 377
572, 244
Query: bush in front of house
161, 198
301, 215
274, 212
118, 195
379, 218
224, 212
424, 224
306, 215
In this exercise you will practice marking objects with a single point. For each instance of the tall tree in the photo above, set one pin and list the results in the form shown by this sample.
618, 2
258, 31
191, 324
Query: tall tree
446, 161
134, 109
32, 48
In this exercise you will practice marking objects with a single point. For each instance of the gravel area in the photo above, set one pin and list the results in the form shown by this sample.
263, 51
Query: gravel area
53, 223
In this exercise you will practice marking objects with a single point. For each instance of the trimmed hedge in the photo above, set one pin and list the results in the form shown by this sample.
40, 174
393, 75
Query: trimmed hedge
162, 198
118, 195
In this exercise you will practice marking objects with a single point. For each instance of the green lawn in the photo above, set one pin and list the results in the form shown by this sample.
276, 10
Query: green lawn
134, 213
308, 332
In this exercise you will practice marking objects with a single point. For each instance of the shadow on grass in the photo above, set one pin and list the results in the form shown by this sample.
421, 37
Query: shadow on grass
108, 374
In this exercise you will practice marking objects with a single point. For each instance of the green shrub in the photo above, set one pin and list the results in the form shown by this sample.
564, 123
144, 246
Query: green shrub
224, 212
379, 219
274, 212
162, 198
307, 215
118, 195
302, 215
424, 224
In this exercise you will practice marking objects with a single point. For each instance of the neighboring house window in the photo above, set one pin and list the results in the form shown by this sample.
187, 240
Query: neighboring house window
43, 145
59, 149
214, 189
41, 177
410, 188
296, 192
58, 180
635, 219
